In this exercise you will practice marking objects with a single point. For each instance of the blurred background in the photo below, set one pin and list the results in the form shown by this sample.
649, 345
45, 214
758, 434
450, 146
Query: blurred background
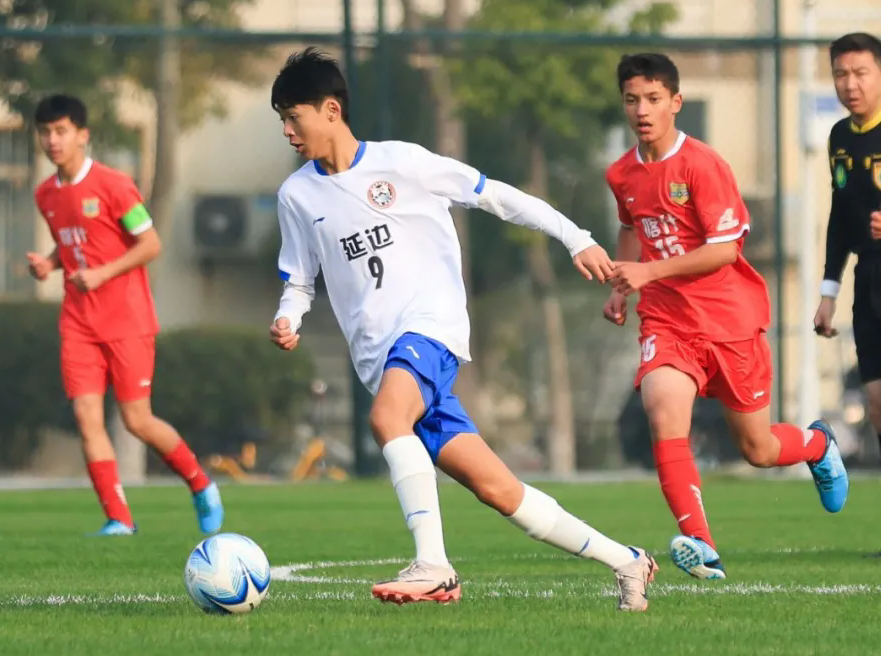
524, 90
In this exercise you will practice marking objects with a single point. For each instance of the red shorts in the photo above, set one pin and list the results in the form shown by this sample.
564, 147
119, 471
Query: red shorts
739, 374
126, 364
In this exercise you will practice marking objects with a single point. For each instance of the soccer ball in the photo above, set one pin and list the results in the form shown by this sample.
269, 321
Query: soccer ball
227, 573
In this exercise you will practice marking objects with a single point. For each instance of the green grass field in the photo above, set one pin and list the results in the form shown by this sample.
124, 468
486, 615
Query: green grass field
801, 581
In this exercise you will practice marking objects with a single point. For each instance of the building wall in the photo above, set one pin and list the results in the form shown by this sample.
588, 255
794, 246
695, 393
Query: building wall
246, 153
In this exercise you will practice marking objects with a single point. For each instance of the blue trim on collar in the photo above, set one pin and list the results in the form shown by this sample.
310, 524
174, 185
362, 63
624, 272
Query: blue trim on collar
362, 146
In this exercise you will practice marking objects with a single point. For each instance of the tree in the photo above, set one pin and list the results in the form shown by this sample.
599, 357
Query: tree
450, 141
101, 69
548, 94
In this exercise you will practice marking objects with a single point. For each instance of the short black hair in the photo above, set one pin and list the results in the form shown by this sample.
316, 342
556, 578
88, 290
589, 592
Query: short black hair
855, 42
309, 78
58, 106
651, 66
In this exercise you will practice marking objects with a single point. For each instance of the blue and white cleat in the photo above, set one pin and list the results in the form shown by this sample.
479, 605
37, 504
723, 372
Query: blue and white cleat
209, 508
115, 527
695, 557
829, 473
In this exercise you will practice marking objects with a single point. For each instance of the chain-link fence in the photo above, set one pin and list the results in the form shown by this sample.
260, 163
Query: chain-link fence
524, 91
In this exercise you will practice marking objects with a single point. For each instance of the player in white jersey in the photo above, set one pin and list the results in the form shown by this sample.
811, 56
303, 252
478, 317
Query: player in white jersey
374, 217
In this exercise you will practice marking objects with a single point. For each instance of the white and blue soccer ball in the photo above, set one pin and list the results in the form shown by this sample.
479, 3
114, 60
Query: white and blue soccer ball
227, 573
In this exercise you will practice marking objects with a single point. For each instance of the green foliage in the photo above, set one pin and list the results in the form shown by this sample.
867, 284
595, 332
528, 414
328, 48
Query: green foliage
223, 386
547, 89
563, 97
218, 386
29, 377
101, 70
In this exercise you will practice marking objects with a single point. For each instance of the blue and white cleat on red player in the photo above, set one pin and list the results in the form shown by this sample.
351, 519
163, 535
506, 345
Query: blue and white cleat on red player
209, 508
829, 473
115, 527
695, 557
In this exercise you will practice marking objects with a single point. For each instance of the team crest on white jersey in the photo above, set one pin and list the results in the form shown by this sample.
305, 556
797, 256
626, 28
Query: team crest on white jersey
381, 194
90, 208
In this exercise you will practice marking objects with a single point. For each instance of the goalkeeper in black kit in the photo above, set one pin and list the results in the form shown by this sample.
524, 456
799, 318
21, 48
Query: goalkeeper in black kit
855, 217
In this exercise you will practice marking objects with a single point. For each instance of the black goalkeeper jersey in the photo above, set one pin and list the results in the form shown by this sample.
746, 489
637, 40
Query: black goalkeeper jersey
855, 162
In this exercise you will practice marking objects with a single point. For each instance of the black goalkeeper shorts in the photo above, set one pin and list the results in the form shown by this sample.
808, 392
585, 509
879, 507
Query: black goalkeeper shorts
867, 317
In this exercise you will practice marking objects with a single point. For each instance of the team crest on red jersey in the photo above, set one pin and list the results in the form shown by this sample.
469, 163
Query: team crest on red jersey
679, 193
381, 194
90, 208
876, 174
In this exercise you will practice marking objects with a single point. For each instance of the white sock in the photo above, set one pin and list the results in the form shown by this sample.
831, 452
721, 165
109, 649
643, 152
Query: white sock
543, 519
415, 481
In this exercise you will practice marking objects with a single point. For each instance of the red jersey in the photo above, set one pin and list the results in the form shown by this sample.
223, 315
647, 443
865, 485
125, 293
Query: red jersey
86, 221
686, 200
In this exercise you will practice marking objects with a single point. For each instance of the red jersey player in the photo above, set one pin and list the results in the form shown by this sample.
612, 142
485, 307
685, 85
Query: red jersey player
703, 309
104, 238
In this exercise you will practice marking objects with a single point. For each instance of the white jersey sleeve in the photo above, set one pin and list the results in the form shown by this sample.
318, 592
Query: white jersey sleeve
465, 185
447, 177
298, 265
514, 206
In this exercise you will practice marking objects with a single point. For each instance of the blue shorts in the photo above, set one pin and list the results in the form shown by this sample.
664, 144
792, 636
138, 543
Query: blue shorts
435, 369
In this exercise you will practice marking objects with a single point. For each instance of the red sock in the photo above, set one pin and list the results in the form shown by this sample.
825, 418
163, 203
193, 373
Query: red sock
183, 461
797, 445
105, 480
681, 485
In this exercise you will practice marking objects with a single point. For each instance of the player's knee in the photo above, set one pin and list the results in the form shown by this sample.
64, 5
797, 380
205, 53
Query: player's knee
666, 421
136, 419
758, 453
89, 415
503, 496
387, 423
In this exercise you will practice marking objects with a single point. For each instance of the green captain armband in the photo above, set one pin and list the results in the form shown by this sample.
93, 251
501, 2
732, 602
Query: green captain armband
137, 220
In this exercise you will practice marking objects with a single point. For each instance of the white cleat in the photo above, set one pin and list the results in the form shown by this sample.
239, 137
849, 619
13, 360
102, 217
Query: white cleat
633, 579
420, 582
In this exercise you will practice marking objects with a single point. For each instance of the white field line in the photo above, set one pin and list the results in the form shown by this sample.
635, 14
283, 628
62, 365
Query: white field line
485, 589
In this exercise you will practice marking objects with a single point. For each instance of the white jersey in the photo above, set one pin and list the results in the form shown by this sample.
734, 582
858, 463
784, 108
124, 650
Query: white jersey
383, 235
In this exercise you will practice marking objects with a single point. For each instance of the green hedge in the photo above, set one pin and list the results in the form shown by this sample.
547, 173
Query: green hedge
223, 386
31, 394
219, 386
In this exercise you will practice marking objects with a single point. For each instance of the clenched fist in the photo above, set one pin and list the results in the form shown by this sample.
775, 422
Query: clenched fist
39, 266
281, 334
615, 309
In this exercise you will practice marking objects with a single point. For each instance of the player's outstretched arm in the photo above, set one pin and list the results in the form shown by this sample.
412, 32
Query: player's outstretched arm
464, 185
514, 206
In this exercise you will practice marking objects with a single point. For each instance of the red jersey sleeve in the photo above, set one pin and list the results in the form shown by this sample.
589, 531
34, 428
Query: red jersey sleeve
122, 194
717, 201
623, 213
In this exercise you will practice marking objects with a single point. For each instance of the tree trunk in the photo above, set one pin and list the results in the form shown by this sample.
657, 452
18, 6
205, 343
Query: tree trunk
167, 123
451, 142
449, 127
561, 424
131, 453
